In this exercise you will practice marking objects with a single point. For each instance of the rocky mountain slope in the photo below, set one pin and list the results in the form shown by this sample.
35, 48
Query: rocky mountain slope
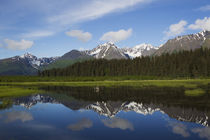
26, 64
75, 54
69, 59
107, 51
186, 42
37, 62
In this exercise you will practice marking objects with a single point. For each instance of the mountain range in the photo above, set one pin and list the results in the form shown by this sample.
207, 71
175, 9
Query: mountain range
29, 64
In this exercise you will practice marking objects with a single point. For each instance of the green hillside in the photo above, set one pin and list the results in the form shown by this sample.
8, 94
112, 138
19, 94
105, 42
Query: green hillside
62, 63
13, 67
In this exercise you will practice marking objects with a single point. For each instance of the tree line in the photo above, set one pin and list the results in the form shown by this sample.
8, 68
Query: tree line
182, 64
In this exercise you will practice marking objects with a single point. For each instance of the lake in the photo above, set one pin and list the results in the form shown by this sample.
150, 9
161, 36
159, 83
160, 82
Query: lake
101, 113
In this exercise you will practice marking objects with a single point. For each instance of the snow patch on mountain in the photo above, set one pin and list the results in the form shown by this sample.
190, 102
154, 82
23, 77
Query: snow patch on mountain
198, 36
107, 51
37, 62
139, 50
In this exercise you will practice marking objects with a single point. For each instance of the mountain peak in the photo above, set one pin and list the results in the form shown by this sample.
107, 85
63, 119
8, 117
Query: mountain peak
28, 55
75, 54
108, 44
204, 33
107, 51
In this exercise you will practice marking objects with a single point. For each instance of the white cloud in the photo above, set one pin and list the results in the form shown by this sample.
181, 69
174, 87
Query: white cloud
58, 16
204, 8
38, 34
176, 29
79, 34
80, 125
117, 36
201, 24
93, 9
18, 45
118, 123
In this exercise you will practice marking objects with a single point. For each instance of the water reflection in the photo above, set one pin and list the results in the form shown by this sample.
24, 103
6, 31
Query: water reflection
106, 113
179, 128
118, 123
202, 132
38, 127
112, 108
17, 115
80, 125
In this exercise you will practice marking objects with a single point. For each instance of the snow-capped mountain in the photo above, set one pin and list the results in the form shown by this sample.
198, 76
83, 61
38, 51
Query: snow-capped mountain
26, 64
37, 62
111, 51
107, 51
140, 50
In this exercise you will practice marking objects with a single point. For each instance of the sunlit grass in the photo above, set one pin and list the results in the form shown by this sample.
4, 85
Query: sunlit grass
10, 91
194, 92
193, 83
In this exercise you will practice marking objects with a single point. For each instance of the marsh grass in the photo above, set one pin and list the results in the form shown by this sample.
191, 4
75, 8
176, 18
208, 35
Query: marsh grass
193, 83
194, 92
11, 91
5, 103
193, 87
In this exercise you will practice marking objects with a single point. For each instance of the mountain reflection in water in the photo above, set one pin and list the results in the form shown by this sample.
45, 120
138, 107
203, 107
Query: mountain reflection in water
87, 113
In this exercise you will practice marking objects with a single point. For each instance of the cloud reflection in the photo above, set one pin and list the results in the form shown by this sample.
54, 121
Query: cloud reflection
18, 115
118, 123
39, 127
80, 125
202, 132
179, 128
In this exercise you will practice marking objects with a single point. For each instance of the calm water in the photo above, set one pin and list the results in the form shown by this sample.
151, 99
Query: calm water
105, 113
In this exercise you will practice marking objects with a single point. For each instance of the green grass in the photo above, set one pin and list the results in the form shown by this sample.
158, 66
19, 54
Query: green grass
194, 92
71, 79
11, 91
191, 83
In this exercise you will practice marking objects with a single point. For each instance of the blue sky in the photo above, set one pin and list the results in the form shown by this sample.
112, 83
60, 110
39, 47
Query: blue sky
54, 27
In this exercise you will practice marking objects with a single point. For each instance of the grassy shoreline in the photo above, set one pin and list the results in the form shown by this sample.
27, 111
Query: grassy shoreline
188, 83
79, 79
193, 87
13, 91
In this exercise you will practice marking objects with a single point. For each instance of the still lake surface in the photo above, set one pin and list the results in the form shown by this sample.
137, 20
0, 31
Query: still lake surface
99, 113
